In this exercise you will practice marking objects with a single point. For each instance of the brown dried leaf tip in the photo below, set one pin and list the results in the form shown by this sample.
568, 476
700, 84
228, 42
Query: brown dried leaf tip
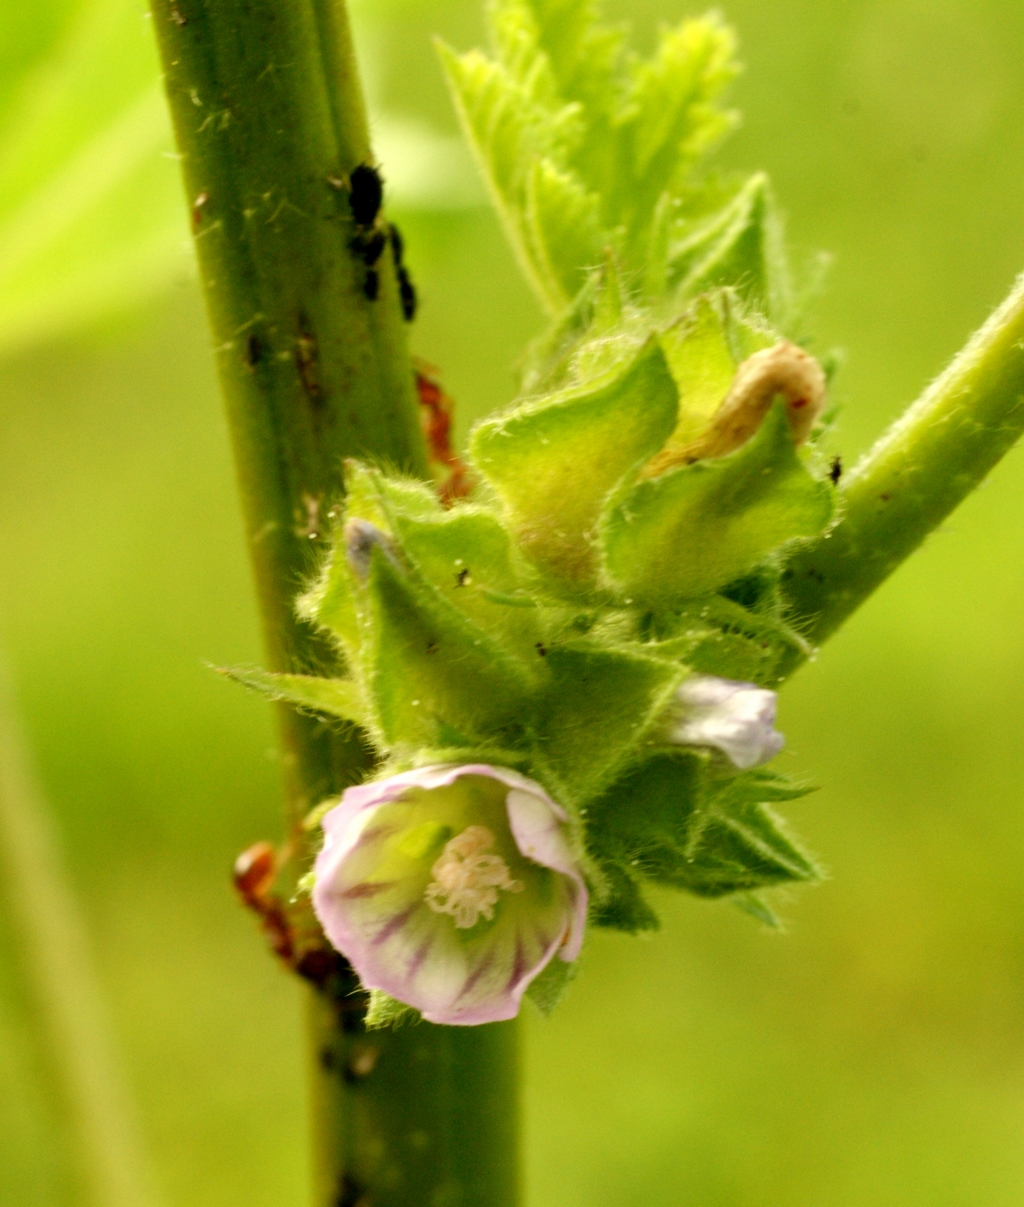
436, 413
291, 929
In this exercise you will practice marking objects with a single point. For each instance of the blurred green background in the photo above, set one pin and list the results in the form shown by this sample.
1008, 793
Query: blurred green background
874, 1053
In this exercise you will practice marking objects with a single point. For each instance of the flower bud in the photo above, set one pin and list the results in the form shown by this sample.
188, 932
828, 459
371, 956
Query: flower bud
736, 718
781, 371
450, 888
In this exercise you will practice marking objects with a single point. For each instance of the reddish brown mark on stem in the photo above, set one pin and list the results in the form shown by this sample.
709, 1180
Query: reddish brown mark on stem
293, 935
436, 413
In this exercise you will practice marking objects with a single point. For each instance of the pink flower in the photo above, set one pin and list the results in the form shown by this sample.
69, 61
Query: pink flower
450, 888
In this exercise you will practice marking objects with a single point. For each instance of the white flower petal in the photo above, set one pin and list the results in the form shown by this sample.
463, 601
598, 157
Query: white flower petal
735, 718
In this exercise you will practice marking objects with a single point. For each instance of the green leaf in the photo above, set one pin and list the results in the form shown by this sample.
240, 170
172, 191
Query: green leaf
561, 219
90, 197
601, 704
695, 528
334, 697
672, 115
509, 122
552, 462
740, 246
581, 144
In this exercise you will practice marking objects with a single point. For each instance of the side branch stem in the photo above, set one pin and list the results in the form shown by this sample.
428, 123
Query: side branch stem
916, 474
314, 367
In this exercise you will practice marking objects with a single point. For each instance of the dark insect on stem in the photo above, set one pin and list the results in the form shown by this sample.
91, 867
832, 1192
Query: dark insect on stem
462, 577
407, 293
351, 1193
366, 192
253, 350
371, 285
369, 247
835, 470
541, 649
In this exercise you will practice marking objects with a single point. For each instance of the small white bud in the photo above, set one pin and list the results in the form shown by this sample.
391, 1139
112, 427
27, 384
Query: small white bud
736, 718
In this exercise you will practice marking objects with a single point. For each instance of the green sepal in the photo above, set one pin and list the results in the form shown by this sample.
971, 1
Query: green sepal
332, 601
698, 527
553, 461
756, 906
374, 495
601, 705
703, 350
340, 698
739, 847
547, 989
384, 1011
466, 555
436, 678
718, 636
761, 786
675, 819
655, 806
623, 905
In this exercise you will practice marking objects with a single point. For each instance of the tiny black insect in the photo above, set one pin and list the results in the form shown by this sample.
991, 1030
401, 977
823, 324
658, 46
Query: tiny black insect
835, 470
397, 244
351, 1193
371, 285
369, 248
462, 577
407, 292
254, 350
366, 194
541, 648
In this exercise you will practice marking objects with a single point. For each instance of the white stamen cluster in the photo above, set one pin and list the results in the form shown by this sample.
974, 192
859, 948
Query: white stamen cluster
467, 878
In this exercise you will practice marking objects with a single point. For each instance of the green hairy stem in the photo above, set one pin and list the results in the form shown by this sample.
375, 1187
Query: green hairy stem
270, 121
917, 473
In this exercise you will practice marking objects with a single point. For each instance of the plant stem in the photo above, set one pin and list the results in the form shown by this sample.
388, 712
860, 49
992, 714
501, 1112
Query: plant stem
429, 1114
269, 120
916, 474
42, 904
